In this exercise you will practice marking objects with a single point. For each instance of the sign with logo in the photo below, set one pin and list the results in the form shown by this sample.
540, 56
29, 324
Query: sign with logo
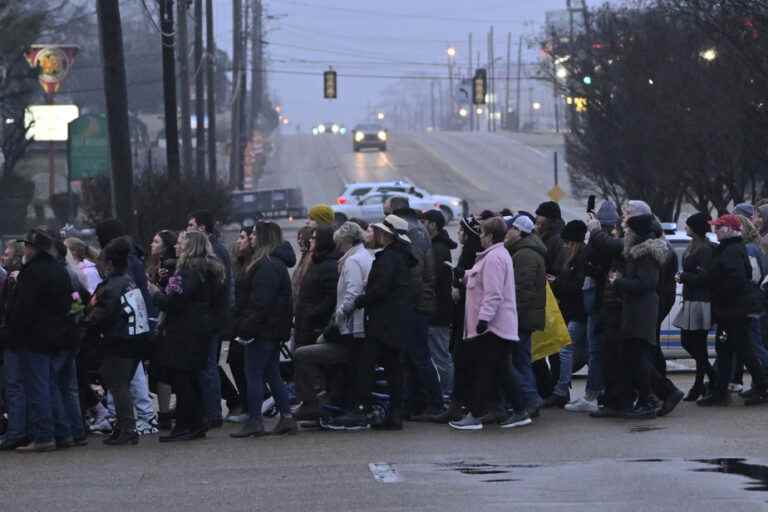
49, 122
88, 147
54, 62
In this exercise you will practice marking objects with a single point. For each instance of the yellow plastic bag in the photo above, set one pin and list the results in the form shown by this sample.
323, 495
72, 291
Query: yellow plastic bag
555, 334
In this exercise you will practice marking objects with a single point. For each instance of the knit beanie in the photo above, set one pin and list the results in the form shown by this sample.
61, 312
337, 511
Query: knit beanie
608, 214
471, 226
637, 208
322, 214
435, 216
641, 225
699, 223
574, 231
550, 210
745, 210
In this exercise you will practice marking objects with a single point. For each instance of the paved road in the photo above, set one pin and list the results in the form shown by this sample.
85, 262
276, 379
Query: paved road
562, 462
489, 170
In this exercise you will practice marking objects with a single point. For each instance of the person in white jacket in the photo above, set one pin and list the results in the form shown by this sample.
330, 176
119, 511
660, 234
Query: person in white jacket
340, 342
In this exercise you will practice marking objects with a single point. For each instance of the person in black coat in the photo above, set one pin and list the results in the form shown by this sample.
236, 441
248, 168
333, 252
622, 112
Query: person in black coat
387, 299
728, 279
695, 316
38, 314
262, 322
191, 302
118, 316
317, 297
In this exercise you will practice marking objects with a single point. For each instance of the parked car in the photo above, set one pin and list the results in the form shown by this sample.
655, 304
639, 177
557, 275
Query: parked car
452, 207
251, 205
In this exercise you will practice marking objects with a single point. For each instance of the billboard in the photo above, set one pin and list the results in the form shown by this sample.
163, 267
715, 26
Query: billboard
49, 122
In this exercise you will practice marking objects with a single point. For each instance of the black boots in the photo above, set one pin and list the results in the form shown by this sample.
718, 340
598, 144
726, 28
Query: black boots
250, 429
122, 437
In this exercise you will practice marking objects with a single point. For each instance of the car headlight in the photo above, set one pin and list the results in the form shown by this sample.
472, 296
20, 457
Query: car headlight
315, 131
335, 128
382, 135
321, 128
359, 136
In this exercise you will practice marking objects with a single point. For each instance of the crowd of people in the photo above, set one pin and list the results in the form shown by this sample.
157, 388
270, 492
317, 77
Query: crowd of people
375, 324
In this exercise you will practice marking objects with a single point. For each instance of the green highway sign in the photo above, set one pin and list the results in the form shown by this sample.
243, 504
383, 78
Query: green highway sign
88, 147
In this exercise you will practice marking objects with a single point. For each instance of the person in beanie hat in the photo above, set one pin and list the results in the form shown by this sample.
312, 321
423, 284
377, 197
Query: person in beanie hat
695, 316
321, 214
636, 208
574, 231
728, 279
608, 214
549, 210
745, 210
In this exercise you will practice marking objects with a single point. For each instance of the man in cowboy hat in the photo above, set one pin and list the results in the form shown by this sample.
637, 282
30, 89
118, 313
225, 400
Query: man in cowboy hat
387, 300
38, 314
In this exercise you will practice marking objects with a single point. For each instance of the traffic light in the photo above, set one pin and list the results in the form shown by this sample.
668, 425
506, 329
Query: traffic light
329, 85
479, 87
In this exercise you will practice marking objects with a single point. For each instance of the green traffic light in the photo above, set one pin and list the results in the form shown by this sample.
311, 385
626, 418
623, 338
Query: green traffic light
587, 80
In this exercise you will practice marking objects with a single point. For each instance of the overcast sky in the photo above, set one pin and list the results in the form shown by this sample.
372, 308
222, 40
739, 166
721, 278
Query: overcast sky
374, 38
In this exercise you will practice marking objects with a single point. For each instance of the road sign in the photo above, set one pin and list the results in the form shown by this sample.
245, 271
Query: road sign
556, 193
88, 147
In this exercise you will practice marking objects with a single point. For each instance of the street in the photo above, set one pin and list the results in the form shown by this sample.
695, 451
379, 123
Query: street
564, 461
489, 170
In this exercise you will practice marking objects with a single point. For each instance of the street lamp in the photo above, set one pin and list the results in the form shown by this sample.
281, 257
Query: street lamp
536, 105
463, 112
709, 54
479, 111
562, 73
451, 51
380, 116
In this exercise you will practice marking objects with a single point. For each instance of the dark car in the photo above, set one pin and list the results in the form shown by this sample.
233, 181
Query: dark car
252, 205
369, 136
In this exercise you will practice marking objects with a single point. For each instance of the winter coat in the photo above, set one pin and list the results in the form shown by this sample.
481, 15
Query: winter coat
556, 251
138, 273
442, 245
491, 294
569, 289
38, 311
354, 269
191, 318
264, 306
223, 254
529, 257
388, 297
118, 315
638, 288
606, 253
423, 274
728, 277
695, 260
317, 299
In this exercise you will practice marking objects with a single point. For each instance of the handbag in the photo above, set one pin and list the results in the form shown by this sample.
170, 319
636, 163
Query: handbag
555, 334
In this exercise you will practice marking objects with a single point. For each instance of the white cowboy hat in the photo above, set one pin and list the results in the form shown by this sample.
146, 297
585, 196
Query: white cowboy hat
395, 226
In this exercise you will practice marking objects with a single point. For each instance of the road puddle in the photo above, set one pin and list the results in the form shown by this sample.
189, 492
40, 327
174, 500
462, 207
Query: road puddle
757, 475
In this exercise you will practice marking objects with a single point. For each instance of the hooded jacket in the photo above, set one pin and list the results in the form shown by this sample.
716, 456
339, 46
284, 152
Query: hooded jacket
423, 274
638, 287
388, 297
529, 257
556, 252
491, 294
317, 299
264, 299
569, 288
442, 245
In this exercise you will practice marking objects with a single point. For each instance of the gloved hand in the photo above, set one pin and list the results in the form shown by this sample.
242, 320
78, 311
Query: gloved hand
482, 326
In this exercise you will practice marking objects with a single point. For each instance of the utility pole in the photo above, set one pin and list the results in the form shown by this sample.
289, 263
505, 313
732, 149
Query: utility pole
257, 77
199, 93
116, 95
169, 89
494, 97
237, 93
183, 43
489, 103
211, 73
432, 102
519, 82
507, 80
470, 74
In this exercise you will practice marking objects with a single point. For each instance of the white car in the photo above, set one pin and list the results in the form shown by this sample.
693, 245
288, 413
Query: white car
370, 208
420, 199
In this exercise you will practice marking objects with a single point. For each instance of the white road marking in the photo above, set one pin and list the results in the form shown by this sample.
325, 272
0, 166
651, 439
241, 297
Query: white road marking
530, 148
384, 472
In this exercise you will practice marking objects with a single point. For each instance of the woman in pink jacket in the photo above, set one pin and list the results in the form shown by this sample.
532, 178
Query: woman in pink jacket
490, 329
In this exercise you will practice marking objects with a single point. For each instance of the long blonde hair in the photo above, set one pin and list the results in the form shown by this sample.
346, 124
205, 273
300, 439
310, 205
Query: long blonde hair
268, 237
748, 231
80, 250
198, 255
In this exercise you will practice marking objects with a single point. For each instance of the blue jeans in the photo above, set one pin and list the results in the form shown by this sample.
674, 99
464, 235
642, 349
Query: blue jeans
16, 398
522, 371
210, 383
38, 384
572, 357
422, 385
66, 396
595, 378
142, 402
439, 341
756, 334
262, 364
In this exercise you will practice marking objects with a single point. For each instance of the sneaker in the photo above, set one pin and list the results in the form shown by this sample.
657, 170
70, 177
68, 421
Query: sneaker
454, 412
351, 421
609, 412
11, 444
254, 428
734, 387
713, 400
286, 425
494, 416
237, 418
641, 411
101, 426
671, 402
146, 430
124, 438
517, 419
581, 405
468, 422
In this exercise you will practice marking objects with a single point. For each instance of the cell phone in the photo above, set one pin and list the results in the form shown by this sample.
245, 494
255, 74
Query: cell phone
591, 204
